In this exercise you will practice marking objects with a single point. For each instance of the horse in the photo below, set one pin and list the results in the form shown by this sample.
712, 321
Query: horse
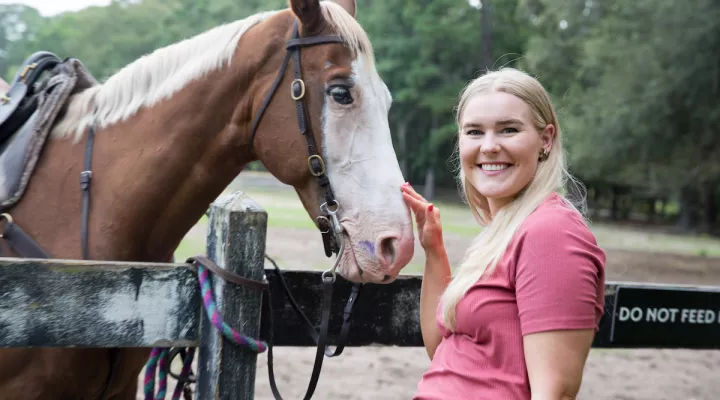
155, 143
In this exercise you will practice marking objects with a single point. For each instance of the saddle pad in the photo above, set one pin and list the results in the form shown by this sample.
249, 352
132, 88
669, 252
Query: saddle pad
19, 158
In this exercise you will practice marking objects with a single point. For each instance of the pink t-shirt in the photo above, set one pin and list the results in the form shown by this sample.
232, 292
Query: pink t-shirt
551, 277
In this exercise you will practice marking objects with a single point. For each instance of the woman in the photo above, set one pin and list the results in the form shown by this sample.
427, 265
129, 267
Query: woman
518, 319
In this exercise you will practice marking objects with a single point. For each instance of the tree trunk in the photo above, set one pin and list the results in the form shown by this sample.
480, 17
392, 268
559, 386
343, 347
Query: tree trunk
614, 204
486, 26
429, 189
651, 209
403, 124
709, 208
402, 144
688, 219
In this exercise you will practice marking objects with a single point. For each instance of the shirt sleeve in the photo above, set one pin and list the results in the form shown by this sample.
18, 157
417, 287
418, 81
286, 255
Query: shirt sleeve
559, 274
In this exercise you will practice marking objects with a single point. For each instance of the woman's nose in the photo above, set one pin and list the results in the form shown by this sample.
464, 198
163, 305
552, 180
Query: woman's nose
489, 144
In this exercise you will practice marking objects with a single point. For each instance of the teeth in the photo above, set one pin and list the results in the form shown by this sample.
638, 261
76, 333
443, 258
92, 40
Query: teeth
494, 167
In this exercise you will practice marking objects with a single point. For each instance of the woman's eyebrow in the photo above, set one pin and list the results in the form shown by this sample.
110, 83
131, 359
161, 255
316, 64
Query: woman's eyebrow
509, 121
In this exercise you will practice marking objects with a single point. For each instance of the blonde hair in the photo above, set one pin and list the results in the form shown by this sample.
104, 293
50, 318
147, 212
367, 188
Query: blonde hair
490, 245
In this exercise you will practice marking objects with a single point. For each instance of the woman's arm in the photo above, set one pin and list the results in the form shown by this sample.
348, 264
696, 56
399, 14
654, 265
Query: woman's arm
437, 273
436, 278
555, 361
560, 291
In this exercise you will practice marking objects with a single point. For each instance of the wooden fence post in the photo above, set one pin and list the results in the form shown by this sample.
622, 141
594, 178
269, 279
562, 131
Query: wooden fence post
236, 242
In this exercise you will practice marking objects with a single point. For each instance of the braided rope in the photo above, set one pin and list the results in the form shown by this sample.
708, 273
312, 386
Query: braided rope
160, 356
208, 300
185, 372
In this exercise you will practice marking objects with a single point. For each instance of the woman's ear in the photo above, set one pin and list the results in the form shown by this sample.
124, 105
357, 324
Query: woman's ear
547, 135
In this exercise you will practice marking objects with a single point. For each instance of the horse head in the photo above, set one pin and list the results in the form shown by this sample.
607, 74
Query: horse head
321, 125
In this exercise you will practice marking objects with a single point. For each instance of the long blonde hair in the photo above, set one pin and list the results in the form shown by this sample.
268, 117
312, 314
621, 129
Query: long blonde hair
490, 245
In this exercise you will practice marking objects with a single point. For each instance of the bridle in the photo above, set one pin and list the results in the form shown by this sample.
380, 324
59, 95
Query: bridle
329, 225
328, 222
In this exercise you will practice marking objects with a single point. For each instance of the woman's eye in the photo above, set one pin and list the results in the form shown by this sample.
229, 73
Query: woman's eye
474, 132
509, 130
341, 94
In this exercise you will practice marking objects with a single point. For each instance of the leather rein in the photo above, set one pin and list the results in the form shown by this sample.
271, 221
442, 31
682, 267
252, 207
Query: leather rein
328, 223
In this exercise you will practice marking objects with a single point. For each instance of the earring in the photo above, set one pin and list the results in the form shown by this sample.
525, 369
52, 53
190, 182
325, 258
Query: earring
544, 154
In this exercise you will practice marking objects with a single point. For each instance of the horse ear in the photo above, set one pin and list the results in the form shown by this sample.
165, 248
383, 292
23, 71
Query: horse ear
349, 5
308, 12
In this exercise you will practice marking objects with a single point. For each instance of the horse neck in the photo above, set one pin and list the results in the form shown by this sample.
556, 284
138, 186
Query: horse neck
157, 172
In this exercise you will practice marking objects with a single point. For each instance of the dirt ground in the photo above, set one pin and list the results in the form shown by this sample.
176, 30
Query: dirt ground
393, 373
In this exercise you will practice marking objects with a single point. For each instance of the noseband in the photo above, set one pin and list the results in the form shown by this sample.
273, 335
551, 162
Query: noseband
328, 222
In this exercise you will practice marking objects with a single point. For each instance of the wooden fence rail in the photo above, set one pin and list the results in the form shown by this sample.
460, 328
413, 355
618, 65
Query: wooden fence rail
71, 303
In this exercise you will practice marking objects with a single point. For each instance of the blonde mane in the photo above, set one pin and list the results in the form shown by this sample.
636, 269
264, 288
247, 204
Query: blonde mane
160, 74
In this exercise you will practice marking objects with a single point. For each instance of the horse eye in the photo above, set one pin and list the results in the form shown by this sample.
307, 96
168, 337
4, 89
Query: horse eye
341, 94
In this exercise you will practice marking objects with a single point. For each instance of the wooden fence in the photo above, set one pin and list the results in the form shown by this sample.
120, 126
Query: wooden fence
70, 303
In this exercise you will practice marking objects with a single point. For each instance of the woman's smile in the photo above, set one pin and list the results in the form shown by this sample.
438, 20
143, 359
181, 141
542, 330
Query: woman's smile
494, 169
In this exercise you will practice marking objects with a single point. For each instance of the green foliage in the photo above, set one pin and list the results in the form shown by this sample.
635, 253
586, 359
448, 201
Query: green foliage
636, 82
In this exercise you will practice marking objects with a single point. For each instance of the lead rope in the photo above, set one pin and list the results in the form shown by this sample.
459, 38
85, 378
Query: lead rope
158, 364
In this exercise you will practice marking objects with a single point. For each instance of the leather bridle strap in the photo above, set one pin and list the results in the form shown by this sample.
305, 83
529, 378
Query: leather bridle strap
316, 164
85, 180
85, 185
321, 341
309, 327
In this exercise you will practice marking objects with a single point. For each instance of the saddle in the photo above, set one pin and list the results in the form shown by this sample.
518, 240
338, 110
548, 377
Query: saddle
38, 95
21, 101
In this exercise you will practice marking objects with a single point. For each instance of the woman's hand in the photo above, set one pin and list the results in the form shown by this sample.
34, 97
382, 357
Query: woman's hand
437, 273
427, 218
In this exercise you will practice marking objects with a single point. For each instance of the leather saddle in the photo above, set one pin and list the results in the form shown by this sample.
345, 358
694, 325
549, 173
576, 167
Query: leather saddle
21, 101
28, 112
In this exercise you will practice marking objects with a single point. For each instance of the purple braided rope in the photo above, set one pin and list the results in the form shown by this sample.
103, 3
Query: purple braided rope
150, 368
162, 374
227, 331
160, 355
184, 373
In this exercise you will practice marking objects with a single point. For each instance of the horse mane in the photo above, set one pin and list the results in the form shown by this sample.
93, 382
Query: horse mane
160, 74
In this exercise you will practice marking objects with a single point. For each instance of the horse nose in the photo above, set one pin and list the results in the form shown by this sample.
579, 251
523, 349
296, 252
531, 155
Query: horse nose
393, 251
387, 250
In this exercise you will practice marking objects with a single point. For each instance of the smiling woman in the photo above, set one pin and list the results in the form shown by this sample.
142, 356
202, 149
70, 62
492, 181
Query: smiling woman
499, 146
518, 319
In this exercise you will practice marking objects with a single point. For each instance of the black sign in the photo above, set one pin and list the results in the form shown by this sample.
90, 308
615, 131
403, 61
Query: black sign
659, 317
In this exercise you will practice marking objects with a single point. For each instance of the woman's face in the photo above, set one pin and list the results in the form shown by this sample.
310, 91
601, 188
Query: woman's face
499, 146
